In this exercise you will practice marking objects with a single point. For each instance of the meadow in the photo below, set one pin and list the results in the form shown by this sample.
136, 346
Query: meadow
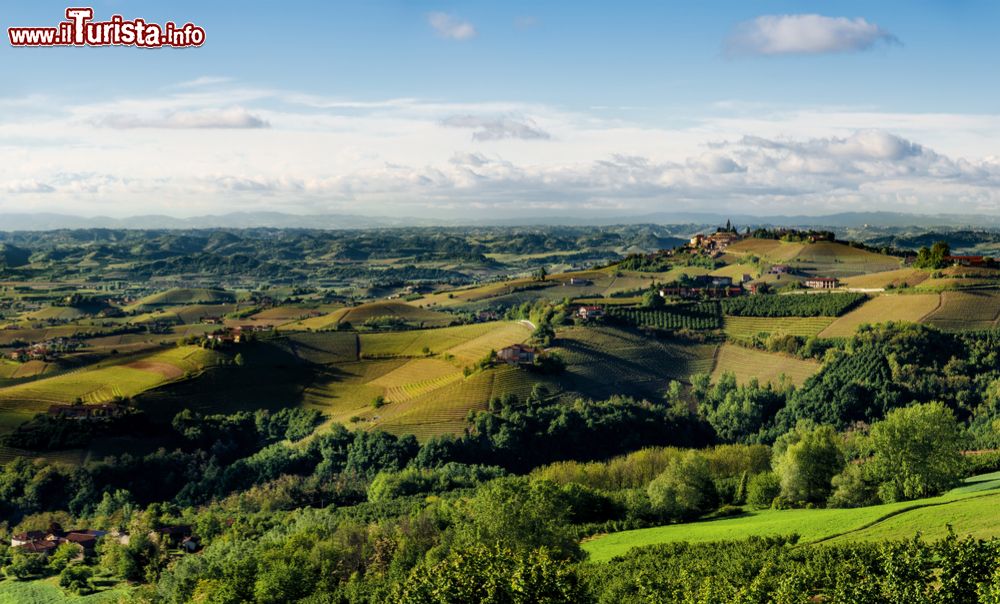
976, 507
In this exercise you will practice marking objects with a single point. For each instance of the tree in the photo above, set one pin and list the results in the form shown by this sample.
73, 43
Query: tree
238, 360
762, 489
806, 460
494, 575
684, 490
541, 274
76, 579
521, 514
916, 452
652, 300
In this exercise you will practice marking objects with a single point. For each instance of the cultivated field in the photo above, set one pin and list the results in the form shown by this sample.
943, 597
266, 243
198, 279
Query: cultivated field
910, 277
965, 310
103, 382
880, 309
183, 296
749, 363
747, 327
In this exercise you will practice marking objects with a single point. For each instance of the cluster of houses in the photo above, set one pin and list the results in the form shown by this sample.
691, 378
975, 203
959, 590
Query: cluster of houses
236, 335
88, 412
45, 351
519, 354
715, 243
46, 542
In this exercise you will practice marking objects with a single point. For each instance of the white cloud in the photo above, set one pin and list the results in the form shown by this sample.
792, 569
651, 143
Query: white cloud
451, 27
497, 128
805, 35
234, 117
203, 81
413, 157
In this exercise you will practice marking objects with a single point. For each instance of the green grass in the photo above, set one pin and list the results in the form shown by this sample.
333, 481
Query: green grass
46, 591
970, 509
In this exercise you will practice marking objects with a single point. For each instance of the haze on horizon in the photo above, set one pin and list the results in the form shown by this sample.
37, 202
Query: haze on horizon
511, 109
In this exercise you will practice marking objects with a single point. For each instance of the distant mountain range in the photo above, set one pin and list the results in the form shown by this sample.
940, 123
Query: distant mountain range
50, 221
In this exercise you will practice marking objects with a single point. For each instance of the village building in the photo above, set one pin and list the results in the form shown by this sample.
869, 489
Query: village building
779, 269
518, 354
968, 260
588, 313
84, 412
821, 282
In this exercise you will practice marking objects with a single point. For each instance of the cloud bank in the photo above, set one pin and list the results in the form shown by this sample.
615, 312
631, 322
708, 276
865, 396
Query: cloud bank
186, 153
771, 35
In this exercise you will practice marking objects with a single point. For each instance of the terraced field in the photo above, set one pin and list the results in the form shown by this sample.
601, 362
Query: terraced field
880, 309
747, 327
966, 310
748, 363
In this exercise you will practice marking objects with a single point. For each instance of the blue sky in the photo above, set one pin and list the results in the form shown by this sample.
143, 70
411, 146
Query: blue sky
511, 108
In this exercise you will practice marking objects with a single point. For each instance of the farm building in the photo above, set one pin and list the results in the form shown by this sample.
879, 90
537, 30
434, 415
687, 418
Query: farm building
45, 542
821, 282
968, 260
518, 354
590, 312
87, 411
578, 281
779, 269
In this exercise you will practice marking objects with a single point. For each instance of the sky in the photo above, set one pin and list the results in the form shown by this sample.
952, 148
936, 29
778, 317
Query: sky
510, 109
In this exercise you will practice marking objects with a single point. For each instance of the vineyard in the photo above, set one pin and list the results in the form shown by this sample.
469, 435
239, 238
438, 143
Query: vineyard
698, 315
911, 308
747, 327
805, 305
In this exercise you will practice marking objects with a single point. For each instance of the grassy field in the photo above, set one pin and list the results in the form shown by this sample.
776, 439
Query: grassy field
962, 310
888, 307
971, 510
47, 591
748, 363
747, 327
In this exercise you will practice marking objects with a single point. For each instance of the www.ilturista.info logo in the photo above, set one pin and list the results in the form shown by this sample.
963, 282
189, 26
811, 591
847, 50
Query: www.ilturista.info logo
80, 29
